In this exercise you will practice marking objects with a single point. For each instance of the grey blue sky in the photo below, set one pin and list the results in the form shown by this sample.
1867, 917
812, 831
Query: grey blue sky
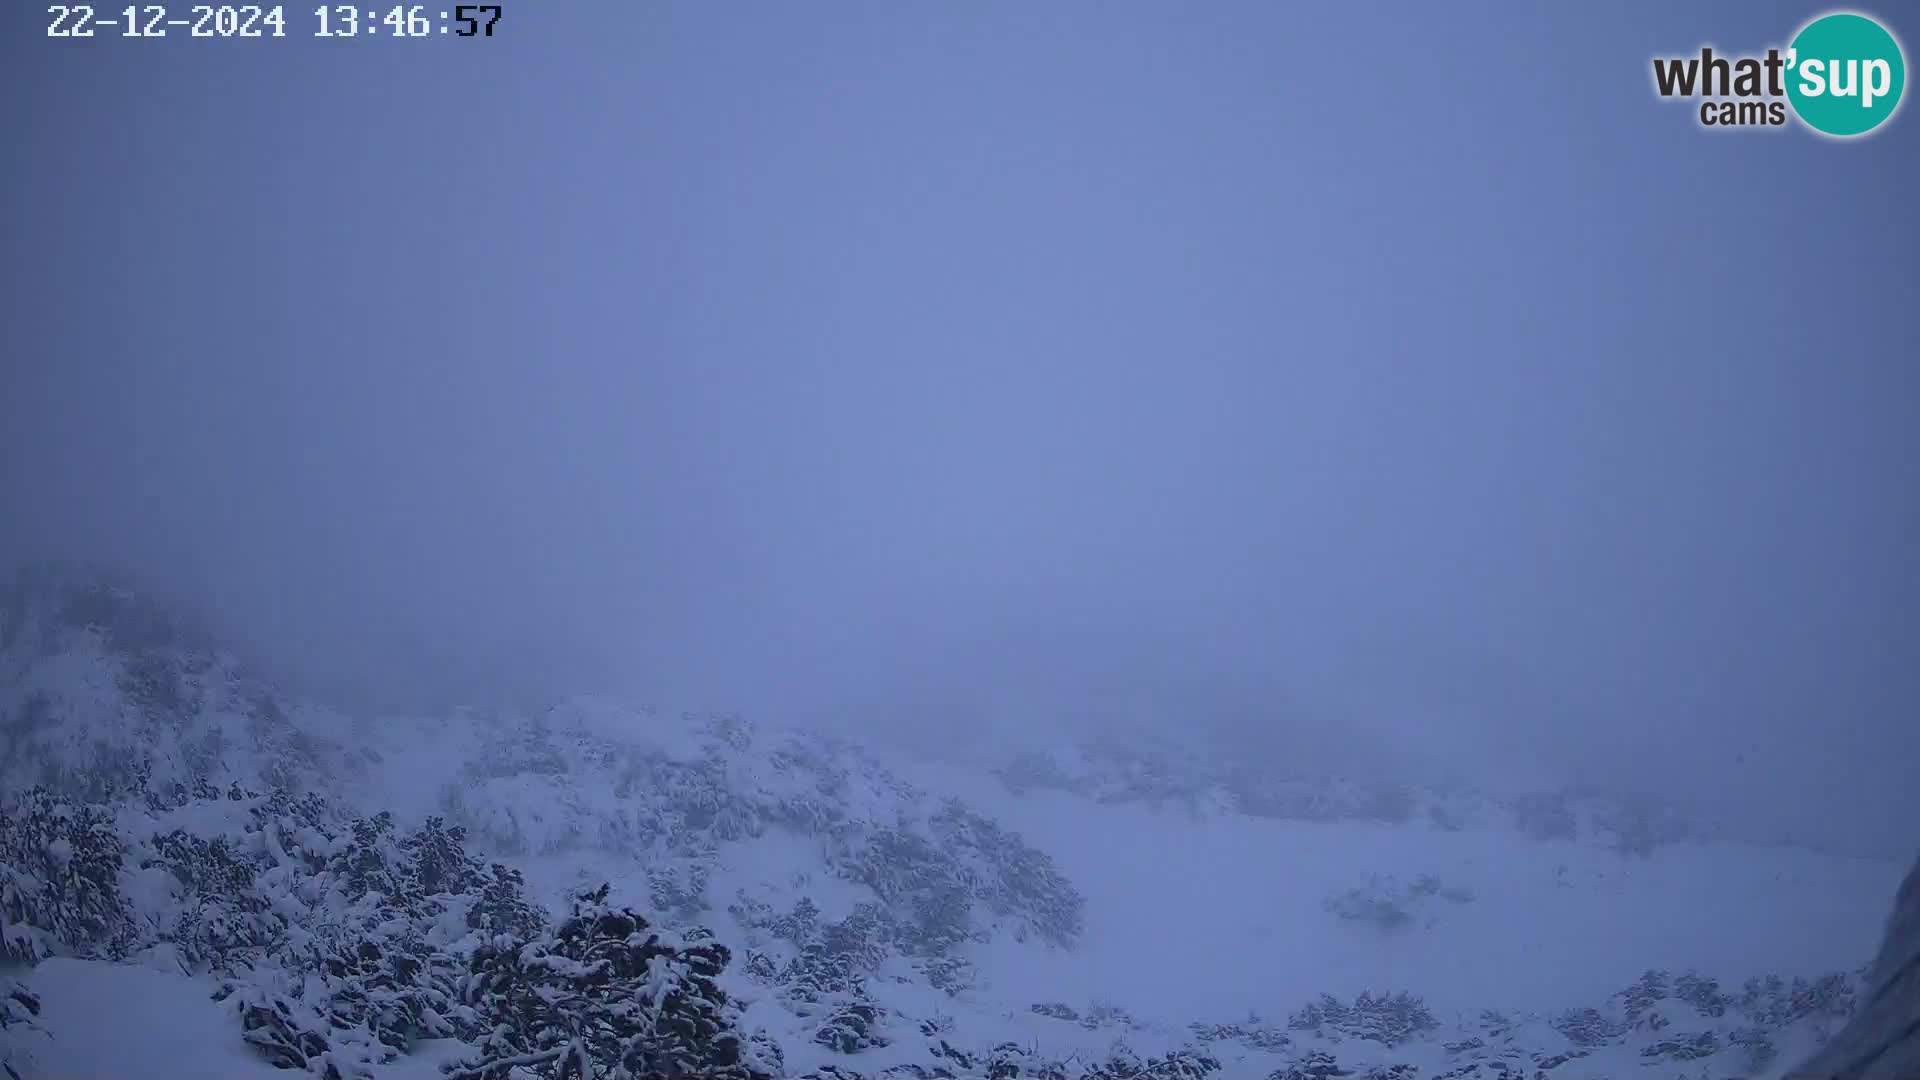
1404, 368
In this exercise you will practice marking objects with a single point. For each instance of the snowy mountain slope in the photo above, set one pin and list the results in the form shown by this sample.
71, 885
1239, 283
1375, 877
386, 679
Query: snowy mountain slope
103, 691
886, 913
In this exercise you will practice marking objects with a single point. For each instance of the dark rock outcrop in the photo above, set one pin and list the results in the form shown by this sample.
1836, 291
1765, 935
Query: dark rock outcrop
1882, 1041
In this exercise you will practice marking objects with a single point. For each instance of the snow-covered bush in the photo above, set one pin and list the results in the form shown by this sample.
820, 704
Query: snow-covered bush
1313, 1065
1687, 1047
1773, 1002
1387, 904
932, 883
1702, 992
1381, 909
861, 939
1651, 988
219, 916
1588, 1027
1014, 879
1637, 827
799, 925
678, 890
605, 994
1388, 1019
1011, 1061
819, 975
500, 905
1546, 816
348, 944
1253, 1034
853, 1028
59, 879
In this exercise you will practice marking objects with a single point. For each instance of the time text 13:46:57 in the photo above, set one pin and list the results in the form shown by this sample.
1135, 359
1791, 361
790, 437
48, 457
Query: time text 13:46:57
348, 20
259, 21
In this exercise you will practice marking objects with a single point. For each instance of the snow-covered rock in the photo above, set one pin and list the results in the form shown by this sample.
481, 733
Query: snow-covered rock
1882, 1041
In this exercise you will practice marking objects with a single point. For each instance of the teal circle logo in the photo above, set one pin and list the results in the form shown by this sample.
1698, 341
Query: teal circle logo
1845, 74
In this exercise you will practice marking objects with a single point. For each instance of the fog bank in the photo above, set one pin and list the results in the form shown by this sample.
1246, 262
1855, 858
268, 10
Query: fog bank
977, 370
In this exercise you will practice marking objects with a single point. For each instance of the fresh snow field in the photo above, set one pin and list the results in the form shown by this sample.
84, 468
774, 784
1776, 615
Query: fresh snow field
1551, 925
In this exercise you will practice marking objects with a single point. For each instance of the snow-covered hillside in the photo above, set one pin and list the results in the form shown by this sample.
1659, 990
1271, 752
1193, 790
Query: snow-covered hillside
402, 897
